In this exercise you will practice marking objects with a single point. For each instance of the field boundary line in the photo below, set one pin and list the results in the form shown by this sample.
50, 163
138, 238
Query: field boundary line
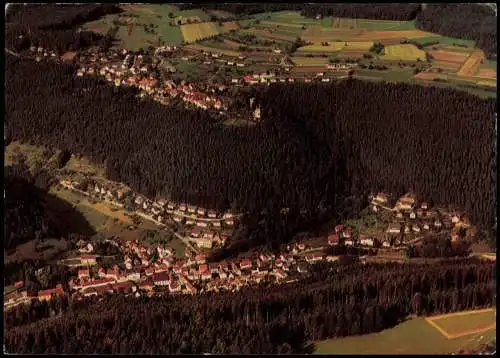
431, 320
473, 331
435, 325
463, 313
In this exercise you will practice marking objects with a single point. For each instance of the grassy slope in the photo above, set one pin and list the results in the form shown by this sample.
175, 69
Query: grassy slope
457, 324
401, 339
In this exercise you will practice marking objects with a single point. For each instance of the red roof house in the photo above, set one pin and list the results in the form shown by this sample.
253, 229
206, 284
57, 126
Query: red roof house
333, 239
244, 264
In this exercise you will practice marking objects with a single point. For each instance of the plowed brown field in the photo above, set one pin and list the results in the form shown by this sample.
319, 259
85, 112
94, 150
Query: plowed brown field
487, 73
449, 56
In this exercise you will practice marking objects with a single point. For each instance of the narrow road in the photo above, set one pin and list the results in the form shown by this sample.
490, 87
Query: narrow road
186, 242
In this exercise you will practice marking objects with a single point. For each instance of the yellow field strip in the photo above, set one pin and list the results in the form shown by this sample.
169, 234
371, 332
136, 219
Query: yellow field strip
471, 64
442, 331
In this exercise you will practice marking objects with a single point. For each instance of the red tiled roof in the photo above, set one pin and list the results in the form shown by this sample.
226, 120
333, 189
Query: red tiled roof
49, 292
245, 263
203, 268
146, 283
163, 276
333, 238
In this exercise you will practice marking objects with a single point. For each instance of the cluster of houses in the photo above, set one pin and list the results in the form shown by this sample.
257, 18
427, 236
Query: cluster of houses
210, 227
39, 53
140, 275
21, 296
410, 219
410, 224
124, 68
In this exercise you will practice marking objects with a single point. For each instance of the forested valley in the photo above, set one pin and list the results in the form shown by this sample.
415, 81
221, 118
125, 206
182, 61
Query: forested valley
335, 301
319, 148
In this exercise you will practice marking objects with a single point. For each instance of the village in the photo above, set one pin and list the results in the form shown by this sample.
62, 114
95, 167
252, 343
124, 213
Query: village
125, 68
153, 269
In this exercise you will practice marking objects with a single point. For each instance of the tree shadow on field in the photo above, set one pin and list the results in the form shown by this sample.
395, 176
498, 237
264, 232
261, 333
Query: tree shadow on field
66, 219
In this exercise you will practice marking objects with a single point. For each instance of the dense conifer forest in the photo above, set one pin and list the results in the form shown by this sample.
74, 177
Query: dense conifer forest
335, 301
54, 26
24, 216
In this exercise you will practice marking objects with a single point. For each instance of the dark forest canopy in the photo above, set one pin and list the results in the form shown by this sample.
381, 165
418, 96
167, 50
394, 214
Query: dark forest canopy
317, 145
335, 301
379, 11
24, 216
465, 21
54, 26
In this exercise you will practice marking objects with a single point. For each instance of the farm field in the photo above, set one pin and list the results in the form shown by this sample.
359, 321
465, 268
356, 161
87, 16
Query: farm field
220, 14
309, 61
199, 47
385, 25
337, 46
487, 73
391, 35
471, 65
460, 324
228, 26
445, 40
93, 217
396, 75
402, 340
318, 34
145, 14
290, 17
344, 22
270, 35
194, 32
405, 52
448, 56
